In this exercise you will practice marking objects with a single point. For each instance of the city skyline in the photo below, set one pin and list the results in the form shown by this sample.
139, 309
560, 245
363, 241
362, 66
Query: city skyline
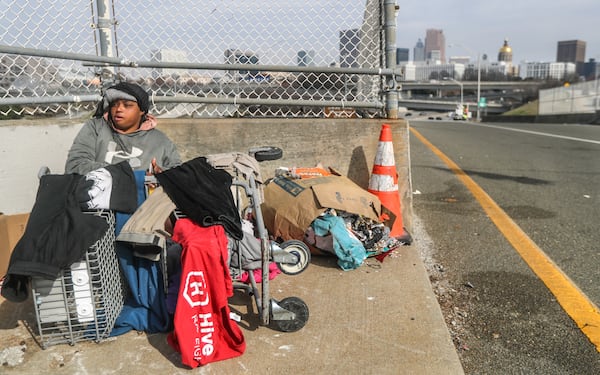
533, 28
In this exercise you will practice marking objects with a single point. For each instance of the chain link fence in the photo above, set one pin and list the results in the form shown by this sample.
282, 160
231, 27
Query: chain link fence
199, 58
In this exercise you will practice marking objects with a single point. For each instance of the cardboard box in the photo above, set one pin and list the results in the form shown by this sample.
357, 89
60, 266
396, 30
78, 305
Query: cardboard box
12, 228
291, 205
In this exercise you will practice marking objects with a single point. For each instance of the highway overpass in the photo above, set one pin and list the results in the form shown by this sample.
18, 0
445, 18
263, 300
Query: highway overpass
501, 95
446, 106
471, 85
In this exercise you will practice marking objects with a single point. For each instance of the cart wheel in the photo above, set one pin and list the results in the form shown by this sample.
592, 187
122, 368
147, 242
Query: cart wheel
301, 251
266, 153
300, 310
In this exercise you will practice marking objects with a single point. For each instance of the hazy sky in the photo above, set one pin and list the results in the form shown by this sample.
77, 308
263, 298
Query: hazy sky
532, 27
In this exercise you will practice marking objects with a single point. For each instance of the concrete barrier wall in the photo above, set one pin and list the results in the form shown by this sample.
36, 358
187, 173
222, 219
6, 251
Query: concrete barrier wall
347, 145
25, 146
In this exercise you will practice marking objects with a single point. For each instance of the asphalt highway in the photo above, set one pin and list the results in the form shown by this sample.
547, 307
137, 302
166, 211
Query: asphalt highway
503, 315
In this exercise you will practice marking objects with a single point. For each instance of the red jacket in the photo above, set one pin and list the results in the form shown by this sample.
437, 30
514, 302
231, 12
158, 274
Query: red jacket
203, 331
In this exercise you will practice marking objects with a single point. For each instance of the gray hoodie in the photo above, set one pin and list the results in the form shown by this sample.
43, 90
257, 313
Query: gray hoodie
97, 145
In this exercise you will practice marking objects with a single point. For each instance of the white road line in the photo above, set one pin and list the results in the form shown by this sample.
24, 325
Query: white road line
540, 133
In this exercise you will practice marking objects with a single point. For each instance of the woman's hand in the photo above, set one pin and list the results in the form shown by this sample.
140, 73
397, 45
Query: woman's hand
153, 170
156, 169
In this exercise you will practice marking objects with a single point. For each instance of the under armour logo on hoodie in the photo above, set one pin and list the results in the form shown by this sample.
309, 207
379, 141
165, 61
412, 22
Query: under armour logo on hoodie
132, 157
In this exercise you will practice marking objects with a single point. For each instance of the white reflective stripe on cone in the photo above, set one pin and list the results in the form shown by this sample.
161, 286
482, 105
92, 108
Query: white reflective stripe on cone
385, 154
382, 183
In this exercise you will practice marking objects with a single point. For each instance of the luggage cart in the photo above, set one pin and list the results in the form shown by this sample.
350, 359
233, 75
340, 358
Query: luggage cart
291, 257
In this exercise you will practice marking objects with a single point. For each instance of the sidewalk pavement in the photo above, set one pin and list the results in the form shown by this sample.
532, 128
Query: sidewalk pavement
382, 318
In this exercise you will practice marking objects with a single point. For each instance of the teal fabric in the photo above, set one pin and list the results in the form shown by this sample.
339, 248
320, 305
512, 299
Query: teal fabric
349, 250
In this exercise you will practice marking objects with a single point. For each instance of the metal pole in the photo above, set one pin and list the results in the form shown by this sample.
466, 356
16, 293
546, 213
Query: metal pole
116, 61
478, 76
596, 99
104, 30
390, 10
104, 61
478, 85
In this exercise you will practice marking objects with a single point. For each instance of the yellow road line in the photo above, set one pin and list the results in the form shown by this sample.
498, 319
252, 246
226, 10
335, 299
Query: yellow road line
583, 311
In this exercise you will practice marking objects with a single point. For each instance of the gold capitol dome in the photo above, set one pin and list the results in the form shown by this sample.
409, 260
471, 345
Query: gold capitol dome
505, 52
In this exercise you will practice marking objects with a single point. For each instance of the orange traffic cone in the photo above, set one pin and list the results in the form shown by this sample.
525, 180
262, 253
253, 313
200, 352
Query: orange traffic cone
384, 183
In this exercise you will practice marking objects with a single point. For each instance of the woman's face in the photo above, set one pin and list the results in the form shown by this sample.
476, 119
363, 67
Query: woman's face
126, 115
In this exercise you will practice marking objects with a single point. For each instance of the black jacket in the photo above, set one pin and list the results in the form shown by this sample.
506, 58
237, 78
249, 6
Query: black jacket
58, 233
203, 194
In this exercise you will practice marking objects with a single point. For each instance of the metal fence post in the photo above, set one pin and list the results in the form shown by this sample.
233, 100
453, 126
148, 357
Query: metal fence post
105, 35
390, 10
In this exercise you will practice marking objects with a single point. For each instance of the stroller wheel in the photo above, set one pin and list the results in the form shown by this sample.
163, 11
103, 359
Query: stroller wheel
300, 311
302, 253
266, 153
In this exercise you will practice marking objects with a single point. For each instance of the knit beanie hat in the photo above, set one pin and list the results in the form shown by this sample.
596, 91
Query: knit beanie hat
126, 91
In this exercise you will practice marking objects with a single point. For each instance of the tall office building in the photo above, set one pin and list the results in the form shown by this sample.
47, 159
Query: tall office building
349, 41
419, 51
545, 70
435, 45
401, 55
572, 51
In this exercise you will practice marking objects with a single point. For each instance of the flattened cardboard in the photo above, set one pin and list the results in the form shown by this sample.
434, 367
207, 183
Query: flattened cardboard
345, 195
290, 205
12, 228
